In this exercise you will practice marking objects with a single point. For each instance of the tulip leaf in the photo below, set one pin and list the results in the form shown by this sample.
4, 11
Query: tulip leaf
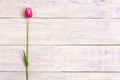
25, 59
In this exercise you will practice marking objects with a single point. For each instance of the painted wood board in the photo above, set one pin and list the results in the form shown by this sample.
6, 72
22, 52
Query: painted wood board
61, 31
61, 58
59, 76
61, 8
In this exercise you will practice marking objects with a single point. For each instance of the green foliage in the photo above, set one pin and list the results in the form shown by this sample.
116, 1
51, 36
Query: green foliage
25, 59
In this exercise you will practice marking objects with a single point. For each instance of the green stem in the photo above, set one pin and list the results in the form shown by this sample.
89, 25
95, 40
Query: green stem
26, 72
27, 40
27, 48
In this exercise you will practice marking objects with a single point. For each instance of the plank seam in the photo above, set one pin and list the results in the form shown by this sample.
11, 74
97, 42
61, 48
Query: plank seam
57, 18
68, 71
61, 44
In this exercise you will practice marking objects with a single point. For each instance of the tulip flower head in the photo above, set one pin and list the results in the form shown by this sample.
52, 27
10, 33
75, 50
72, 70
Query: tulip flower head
28, 12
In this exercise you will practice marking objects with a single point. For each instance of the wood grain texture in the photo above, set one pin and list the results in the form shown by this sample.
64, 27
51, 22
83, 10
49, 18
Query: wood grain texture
61, 31
61, 58
59, 76
69, 39
62, 8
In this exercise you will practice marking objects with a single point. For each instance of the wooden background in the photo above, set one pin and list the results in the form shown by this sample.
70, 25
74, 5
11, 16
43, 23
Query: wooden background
69, 39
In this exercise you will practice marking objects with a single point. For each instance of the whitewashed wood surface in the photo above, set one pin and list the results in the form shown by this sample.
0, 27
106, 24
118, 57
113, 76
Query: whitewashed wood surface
62, 8
69, 39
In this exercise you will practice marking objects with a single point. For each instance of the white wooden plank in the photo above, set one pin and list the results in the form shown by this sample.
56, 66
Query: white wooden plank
61, 58
59, 76
62, 8
61, 31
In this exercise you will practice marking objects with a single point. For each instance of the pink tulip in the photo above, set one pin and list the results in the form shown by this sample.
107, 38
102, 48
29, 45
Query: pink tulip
28, 12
